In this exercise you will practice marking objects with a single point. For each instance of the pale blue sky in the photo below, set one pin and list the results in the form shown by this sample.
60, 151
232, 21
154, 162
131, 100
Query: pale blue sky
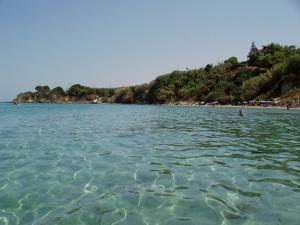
116, 43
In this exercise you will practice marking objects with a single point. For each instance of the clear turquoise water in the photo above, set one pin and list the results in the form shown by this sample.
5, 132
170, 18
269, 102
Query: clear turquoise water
148, 165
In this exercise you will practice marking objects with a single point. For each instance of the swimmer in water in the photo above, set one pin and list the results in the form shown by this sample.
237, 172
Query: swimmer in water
242, 113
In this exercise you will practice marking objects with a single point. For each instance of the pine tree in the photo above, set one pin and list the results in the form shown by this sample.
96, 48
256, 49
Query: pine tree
253, 54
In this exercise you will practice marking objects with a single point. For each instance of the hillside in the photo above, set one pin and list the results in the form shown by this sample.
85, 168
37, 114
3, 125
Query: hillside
272, 72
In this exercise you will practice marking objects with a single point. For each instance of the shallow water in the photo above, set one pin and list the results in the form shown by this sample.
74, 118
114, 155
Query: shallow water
148, 165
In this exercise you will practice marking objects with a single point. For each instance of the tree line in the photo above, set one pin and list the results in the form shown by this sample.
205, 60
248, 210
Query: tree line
269, 72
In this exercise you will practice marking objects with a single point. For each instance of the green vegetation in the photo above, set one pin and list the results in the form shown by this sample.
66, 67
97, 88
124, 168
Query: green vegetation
270, 72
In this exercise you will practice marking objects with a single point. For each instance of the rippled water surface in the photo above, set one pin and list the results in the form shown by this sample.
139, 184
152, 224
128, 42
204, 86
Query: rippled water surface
148, 165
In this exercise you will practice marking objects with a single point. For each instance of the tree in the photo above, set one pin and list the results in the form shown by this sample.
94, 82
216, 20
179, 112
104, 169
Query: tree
42, 89
80, 91
253, 55
208, 67
58, 91
38, 88
293, 65
233, 61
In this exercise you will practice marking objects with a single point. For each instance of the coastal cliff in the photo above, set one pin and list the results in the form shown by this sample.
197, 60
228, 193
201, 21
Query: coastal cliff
49, 96
271, 73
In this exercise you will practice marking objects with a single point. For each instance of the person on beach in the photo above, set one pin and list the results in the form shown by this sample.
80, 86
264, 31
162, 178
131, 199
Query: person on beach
241, 113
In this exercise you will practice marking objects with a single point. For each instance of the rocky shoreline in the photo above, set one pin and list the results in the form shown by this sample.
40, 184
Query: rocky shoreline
51, 97
258, 105
28, 97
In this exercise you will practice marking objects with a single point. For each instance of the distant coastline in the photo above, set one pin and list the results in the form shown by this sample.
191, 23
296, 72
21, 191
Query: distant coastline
179, 104
270, 77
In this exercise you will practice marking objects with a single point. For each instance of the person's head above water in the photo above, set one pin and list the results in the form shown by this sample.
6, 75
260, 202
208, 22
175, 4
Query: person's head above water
242, 113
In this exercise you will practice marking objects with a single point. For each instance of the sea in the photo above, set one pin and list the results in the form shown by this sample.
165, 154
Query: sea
110, 164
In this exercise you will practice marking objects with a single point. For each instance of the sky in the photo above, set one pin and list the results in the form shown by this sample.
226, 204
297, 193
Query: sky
112, 43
